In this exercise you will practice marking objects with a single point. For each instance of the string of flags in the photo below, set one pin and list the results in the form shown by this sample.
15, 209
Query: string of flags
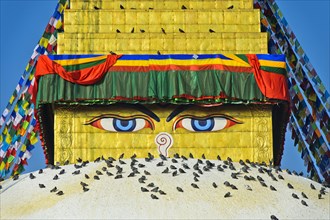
310, 114
18, 124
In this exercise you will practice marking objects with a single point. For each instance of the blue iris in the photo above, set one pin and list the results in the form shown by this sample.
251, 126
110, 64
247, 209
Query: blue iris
124, 125
202, 124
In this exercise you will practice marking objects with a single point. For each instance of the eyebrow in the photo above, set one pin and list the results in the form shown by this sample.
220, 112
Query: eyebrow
142, 109
177, 111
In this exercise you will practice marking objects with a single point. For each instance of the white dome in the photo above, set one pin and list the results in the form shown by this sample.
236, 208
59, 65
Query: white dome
110, 198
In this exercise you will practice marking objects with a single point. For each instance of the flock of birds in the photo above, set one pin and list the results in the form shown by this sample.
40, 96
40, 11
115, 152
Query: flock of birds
175, 166
162, 29
183, 7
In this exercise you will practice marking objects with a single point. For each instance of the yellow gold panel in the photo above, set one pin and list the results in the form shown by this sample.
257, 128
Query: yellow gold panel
252, 139
96, 17
161, 4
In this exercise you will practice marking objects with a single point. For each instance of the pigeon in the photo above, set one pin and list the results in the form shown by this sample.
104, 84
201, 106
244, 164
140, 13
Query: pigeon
218, 157
290, 186
54, 189
83, 184
183, 7
96, 8
246, 178
60, 193
146, 172
77, 166
181, 31
231, 7
226, 183
219, 168
144, 189
119, 169
112, 53
176, 155
234, 175
175, 173
142, 31
141, 180
211, 31
122, 155
153, 196
181, 170
55, 177
260, 179
280, 177
195, 174
76, 172
319, 196
161, 192
214, 185
263, 184
194, 185
79, 160
272, 188
151, 185
166, 170
131, 174
229, 159
155, 189
119, 176
118, 31
179, 189
85, 189
32, 176
161, 163
86, 176
174, 161
199, 161
227, 195
233, 187
161, 155
304, 195
121, 162
312, 186
185, 166
191, 156
99, 172
42, 185
273, 217
304, 203
122, 7
66, 162
163, 30
41, 171
248, 187
196, 179
62, 171
295, 196
141, 165
173, 167
205, 168
97, 160
96, 177
104, 169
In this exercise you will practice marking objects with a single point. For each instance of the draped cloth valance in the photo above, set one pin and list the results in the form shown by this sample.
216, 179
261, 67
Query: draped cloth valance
204, 79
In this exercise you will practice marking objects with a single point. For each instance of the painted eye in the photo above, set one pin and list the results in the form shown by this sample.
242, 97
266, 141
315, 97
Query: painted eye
115, 123
208, 123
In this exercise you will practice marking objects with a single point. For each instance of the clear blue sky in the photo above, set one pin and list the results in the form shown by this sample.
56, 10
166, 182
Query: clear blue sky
23, 23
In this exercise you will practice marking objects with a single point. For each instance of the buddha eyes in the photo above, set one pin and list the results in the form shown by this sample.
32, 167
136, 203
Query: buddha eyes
208, 123
115, 123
